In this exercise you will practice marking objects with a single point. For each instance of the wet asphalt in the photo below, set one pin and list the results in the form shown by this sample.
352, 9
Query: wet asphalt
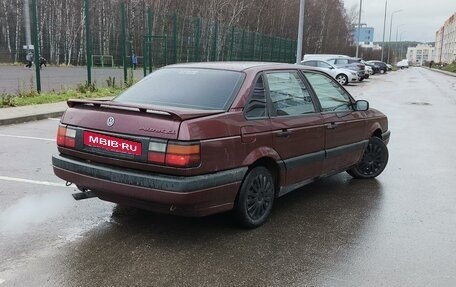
396, 230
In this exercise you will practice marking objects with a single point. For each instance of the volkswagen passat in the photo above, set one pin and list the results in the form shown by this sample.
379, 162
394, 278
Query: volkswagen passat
202, 138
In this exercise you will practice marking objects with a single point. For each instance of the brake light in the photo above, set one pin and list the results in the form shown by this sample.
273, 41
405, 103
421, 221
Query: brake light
66, 137
174, 154
183, 155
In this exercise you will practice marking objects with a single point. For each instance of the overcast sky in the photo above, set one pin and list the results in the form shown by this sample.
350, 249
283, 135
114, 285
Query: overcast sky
418, 20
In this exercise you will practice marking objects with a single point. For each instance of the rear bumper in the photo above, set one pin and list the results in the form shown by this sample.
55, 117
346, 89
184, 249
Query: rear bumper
191, 196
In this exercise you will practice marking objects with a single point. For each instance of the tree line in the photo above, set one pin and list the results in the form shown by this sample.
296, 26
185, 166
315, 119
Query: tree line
61, 24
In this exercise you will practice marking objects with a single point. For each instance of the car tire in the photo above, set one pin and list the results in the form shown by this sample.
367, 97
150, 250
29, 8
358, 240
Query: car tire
255, 198
342, 79
373, 162
382, 71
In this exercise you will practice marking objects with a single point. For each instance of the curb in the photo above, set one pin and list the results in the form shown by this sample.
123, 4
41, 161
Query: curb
442, 72
28, 118
22, 114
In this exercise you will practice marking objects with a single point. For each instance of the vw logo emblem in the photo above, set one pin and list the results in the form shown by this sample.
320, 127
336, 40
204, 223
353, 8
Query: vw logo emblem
110, 121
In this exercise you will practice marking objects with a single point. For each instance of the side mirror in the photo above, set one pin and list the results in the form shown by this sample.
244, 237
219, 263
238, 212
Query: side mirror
361, 105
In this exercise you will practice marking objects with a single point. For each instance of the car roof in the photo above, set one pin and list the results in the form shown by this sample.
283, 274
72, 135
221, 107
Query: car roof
236, 66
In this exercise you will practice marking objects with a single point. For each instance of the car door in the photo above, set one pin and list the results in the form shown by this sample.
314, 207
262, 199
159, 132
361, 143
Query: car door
328, 68
297, 126
345, 127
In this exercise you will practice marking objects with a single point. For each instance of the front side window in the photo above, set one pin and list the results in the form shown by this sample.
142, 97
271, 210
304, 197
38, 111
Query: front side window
289, 95
331, 96
192, 88
322, 64
310, 63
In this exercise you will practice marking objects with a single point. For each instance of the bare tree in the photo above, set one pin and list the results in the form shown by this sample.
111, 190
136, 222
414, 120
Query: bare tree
62, 26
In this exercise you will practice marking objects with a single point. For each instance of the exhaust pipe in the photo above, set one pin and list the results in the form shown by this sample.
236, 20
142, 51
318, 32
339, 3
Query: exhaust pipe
86, 193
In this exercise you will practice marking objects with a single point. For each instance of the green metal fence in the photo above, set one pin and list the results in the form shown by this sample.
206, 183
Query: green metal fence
176, 39
156, 38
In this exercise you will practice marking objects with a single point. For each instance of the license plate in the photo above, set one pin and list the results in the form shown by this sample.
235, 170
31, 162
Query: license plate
111, 143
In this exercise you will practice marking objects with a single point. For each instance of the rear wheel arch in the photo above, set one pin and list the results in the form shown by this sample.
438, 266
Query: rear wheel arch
273, 168
256, 195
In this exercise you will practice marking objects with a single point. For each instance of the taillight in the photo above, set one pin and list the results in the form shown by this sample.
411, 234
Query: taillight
66, 137
174, 154
183, 155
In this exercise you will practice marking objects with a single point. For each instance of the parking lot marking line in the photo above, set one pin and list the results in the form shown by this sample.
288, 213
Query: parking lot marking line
7, 178
25, 137
54, 119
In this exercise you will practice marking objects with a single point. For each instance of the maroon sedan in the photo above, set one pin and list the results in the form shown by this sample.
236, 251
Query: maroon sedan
202, 138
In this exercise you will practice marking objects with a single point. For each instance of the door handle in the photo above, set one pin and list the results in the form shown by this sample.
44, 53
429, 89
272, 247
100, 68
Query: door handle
283, 133
331, 126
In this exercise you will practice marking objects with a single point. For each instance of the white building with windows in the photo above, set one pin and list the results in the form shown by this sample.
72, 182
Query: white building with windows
420, 54
445, 42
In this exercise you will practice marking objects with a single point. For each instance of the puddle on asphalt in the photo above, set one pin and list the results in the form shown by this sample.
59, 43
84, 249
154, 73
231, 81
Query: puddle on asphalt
419, 103
34, 210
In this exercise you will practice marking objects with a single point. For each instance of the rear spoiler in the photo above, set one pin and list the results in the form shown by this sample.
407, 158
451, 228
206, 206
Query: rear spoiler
181, 114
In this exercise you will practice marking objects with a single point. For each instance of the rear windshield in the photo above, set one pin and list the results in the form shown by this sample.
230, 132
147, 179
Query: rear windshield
186, 87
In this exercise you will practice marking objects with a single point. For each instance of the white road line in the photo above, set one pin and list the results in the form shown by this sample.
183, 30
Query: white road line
6, 178
2, 281
25, 137
54, 119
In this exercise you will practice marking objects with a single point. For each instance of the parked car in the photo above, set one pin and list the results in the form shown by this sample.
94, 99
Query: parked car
350, 63
322, 56
343, 76
341, 61
383, 68
202, 138
402, 64
373, 67
369, 71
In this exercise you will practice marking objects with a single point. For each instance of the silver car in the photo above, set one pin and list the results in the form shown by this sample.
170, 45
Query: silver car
342, 75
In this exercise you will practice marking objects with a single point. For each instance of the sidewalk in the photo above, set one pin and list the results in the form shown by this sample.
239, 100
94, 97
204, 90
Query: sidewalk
442, 71
15, 115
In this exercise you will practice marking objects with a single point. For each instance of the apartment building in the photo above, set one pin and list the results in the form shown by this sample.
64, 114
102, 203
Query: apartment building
445, 42
420, 54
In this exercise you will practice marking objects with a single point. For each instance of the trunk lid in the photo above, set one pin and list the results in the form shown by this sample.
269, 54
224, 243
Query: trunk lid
129, 119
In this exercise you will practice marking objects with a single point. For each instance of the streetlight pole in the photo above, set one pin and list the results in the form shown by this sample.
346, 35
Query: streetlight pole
397, 32
400, 42
300, 31
391, 26
384, 27
359, 27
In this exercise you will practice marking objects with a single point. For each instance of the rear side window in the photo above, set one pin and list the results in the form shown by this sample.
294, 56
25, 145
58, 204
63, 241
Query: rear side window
256, 106
342, 61
186, 87
331, 96
289, 95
